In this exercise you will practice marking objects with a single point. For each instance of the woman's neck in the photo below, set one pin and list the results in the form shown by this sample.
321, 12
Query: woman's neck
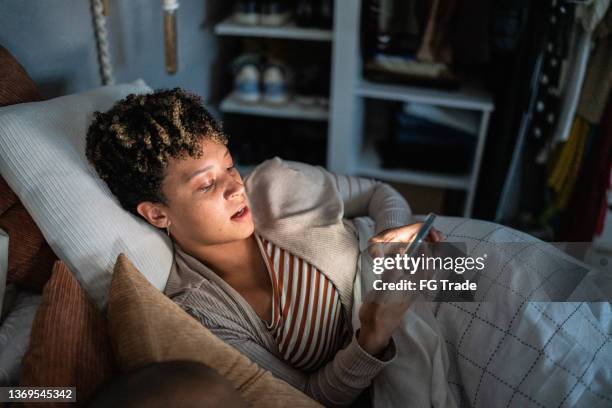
231, 260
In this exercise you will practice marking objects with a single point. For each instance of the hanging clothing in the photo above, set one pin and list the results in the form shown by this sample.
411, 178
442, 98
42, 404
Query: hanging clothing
564, 174
563, 178
586, 19
588, 206
598, 79
576, 70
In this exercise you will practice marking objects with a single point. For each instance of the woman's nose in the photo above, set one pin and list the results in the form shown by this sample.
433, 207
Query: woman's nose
233, 187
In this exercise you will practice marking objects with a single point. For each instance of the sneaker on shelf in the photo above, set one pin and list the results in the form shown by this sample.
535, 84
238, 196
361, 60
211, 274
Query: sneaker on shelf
246, 83
275, 85
247, 12
274, 13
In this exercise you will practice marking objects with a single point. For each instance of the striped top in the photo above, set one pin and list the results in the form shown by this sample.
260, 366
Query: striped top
307, 321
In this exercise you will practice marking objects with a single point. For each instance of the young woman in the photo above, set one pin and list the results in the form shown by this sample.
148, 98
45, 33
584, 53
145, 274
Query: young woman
267, 265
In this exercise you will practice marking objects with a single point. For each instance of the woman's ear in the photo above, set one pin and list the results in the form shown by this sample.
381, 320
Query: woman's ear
154, 213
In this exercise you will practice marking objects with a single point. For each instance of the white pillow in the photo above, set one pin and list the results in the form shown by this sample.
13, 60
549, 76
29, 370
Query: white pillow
42, 158
15, 336
3, 265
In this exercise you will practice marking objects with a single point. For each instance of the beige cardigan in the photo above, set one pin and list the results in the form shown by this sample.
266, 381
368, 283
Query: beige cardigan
302, 209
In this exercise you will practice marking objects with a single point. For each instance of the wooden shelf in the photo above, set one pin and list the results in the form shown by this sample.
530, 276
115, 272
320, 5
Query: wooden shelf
467, 97
368, 164
287, 31
290, 110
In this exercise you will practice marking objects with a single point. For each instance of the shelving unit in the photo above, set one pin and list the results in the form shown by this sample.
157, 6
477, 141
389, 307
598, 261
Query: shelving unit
346, 151
368, 164
290, 110
467, 97
289, 31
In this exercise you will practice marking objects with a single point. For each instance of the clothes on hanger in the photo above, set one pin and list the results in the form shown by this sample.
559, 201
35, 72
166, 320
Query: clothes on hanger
586, 18
564, 175
589, 202
584, 154
598, 79
542, 115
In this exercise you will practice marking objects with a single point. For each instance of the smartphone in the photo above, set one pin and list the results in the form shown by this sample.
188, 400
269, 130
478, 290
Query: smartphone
421, 235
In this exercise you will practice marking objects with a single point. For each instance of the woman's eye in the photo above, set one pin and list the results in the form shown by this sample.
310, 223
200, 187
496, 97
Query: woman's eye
207, 187
231, 168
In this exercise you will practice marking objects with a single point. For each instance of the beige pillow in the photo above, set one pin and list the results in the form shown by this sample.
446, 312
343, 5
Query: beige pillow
146, 326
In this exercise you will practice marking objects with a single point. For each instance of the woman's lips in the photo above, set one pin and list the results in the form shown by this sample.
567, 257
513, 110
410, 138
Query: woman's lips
241, 214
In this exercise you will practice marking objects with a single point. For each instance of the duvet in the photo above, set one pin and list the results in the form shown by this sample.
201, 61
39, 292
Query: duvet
537, 333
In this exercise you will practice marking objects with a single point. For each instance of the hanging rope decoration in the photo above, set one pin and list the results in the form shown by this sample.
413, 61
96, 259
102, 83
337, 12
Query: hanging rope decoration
101, 36
170, 7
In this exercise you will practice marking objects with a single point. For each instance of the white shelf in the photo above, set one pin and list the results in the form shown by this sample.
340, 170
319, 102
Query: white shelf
290, 110
465, 97
287, 31
368, 164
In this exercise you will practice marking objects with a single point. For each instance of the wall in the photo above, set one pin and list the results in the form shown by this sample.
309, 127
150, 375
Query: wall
54, 40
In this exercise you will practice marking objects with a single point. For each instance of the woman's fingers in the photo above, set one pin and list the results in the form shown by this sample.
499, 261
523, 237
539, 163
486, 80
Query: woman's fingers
405, 234
399, 234
383, 243
434, 235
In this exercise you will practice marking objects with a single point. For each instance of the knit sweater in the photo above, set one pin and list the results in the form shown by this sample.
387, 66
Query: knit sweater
305, 210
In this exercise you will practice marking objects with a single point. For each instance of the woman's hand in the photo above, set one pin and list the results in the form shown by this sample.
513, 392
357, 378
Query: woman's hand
382, 311
379, 319
405, 233
381, 243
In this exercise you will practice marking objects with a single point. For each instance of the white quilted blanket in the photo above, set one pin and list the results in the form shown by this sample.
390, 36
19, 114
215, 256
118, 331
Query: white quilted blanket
512, 346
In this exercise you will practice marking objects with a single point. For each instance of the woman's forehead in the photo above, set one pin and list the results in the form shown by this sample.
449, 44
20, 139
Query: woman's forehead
188, 167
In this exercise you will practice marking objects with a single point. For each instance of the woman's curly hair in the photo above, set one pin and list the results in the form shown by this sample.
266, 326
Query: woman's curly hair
130, 144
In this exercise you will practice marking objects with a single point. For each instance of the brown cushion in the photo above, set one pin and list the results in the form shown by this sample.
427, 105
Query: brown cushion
146, 327
7, 197
15, 84
69, 342
30, 258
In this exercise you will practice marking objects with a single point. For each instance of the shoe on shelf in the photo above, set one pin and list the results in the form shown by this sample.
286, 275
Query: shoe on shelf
247, 12
274, 13
247, 78
275, 85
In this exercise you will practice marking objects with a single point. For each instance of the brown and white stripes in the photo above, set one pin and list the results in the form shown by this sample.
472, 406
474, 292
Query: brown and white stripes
307, 319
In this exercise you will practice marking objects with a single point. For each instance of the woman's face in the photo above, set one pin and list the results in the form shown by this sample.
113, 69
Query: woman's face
206, 203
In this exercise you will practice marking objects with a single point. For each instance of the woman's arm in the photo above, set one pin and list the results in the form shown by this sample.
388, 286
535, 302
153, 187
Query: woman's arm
368, 197
282, 190
365, 197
